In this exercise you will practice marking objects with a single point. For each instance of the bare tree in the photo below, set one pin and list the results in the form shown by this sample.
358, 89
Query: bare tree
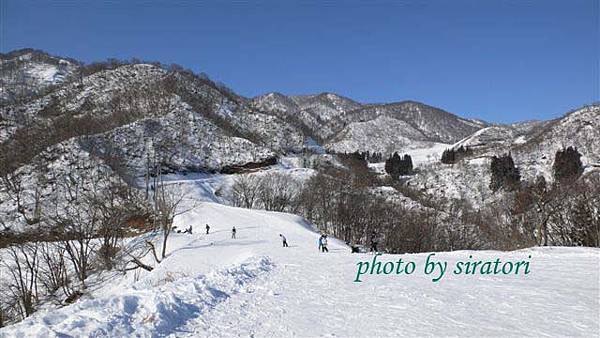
168, 205
277, 191
22, 265
53, 274
76, 219
245, 191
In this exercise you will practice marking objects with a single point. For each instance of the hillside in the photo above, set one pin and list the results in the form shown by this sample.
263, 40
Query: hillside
134, 119
341, 123
321, 116
437, 125
27, 72
212, 285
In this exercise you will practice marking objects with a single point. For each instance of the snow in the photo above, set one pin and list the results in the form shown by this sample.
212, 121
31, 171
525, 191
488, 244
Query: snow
39, 73
382, 134
212, 285
431, 154
520, 140
493, 136
313, 146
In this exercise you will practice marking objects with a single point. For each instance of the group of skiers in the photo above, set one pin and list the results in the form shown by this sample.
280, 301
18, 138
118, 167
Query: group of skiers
322, 240
373, 244
188, 230
233, 231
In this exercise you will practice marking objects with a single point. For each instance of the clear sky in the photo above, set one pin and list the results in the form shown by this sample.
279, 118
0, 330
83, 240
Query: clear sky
500, 60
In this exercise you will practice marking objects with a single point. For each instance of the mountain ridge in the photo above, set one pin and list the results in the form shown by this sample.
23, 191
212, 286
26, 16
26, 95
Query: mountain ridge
133, 118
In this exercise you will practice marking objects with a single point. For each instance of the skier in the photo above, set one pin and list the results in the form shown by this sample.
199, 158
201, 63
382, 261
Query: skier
354, 248
373, 242
188, 230
324, 244
285, 245
233, 232
207, 228
320, 241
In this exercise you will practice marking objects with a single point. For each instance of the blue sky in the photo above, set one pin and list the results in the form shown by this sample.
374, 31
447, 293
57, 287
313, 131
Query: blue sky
498, 60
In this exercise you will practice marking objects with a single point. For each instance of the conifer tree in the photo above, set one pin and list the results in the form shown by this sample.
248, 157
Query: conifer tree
505, 175
396, 165
567, 165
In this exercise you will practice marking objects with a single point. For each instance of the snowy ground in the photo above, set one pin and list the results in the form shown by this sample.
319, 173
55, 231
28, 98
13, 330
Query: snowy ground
212, 285
420, 157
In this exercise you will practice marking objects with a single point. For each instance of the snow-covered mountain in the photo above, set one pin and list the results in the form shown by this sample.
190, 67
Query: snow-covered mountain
321, 115
72, 136
579, 128
533, 146
344, 125
435, 124
383, 134
135, 116
28, 72
182, 122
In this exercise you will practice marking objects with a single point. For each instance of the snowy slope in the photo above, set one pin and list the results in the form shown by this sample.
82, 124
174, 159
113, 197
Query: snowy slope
212, 285
579, 128
533, 146
490, 137
383, 134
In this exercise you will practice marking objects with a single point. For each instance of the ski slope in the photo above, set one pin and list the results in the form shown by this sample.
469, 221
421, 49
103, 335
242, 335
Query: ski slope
213, 285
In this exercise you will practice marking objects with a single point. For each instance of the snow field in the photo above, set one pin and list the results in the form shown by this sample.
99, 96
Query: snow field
212, 286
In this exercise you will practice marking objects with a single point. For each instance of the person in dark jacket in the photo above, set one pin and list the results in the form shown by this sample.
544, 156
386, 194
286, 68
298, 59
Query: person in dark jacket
285, 244
233, 231
207, 228
324, 244
373, 242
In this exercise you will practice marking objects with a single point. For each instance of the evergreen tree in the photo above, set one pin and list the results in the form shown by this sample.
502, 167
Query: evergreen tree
396, 166
406, 166
448, 156
391, 165
505, 175
567, 165
451, 156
